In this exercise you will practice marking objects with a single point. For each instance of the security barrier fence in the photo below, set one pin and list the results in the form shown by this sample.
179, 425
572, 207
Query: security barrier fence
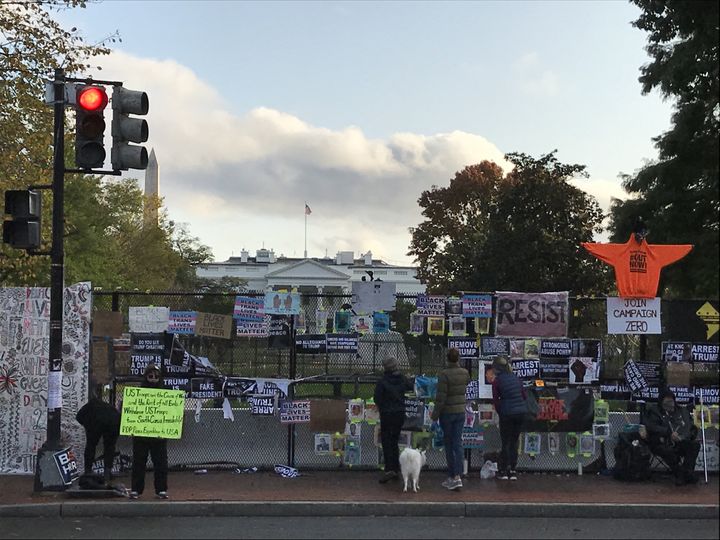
211, 441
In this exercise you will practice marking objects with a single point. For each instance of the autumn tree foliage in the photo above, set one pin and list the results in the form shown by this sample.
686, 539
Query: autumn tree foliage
106, 240
678, 195
520, 231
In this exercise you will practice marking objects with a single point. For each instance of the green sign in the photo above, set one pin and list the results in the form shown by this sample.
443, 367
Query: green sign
152, 412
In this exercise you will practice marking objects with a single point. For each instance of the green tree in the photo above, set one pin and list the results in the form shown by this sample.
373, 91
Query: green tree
678, 195
32, 45
521, 231
107, 240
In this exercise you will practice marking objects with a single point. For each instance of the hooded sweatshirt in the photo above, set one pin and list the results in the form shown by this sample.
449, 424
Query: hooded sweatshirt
390, 393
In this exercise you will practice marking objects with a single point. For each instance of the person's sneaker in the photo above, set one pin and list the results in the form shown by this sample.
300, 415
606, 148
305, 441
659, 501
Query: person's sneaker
446, 483
502, 475
161, 495
455, 484
134, 495
389, 475
513, 475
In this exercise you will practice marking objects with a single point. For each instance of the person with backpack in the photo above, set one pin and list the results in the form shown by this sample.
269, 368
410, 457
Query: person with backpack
510, 400
101, 421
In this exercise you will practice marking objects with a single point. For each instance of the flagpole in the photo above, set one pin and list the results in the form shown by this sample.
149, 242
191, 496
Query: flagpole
305, 212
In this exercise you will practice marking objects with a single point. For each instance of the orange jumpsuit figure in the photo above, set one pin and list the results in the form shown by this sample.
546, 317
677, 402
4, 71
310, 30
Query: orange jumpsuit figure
637, 264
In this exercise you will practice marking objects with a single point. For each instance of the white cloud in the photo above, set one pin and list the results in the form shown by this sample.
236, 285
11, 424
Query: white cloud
241, 181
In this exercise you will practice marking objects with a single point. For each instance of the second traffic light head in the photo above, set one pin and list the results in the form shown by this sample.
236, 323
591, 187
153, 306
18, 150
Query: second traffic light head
126, 129
90, 102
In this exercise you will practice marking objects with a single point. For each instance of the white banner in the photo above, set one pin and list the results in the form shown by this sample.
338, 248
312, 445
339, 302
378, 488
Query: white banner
633, 315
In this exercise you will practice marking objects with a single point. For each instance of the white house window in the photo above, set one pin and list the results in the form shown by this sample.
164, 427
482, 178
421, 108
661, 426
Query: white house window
401, 273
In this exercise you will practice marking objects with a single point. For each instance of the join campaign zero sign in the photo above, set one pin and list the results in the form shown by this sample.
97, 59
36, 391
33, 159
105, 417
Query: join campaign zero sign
633, 315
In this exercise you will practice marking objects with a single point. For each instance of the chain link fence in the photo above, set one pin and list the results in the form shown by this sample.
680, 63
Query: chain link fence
209, 440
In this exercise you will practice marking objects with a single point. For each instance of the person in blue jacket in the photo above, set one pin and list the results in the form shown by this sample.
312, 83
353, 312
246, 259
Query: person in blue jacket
510, 400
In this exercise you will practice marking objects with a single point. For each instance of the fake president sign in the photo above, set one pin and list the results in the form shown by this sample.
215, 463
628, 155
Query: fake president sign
532, 314
633, 315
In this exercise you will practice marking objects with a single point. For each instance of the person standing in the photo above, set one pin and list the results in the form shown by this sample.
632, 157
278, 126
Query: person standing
389, 397
156, 447
101, 421
450, 410
510, 400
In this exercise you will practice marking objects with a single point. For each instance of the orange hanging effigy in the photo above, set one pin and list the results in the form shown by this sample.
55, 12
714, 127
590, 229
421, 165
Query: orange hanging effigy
637, 264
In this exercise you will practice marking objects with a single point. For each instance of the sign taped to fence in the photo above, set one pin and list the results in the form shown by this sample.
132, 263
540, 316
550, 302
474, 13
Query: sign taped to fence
342, 343
532, 314
213, 325
295, 412
430, 305
145, 349
633, 315
467, 347
249, 308
152, 412
206, 388
477, 305
560, 409
148, 318
262, 405
310, 343
182, 322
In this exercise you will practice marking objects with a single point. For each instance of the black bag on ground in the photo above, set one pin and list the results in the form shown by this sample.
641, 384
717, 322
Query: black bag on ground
91, 481
632, 458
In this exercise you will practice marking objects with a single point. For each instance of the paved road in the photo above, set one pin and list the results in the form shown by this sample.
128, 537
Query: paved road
354, 527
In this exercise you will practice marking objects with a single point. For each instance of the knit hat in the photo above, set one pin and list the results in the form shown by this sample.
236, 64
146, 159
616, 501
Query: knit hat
390, 364
666, 393
151, 367
501, 364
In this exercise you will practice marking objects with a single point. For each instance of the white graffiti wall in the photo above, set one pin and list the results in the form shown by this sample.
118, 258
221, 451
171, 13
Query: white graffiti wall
24, 351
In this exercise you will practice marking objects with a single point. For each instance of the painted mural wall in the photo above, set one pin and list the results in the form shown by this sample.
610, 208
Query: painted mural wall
24, 352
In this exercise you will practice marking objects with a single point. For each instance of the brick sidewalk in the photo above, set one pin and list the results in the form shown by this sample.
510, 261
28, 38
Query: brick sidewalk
362, 486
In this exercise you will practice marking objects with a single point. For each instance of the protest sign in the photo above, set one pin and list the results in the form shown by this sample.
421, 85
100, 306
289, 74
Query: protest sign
152, 412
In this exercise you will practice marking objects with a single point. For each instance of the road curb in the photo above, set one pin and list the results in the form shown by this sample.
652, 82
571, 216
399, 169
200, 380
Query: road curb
380, 508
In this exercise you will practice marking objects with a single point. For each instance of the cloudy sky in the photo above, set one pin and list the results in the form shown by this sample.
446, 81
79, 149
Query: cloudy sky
357, 107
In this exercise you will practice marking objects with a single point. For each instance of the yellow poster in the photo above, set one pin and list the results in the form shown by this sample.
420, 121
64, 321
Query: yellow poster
152, 412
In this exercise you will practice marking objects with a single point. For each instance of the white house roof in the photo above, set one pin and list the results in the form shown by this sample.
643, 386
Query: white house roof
307, 268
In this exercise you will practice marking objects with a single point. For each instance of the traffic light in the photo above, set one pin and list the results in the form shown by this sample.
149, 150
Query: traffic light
22, 230
90, 103
125, 129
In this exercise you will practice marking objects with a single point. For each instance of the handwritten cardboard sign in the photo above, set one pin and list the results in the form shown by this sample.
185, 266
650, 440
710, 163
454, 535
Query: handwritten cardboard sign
152, 412
213, 325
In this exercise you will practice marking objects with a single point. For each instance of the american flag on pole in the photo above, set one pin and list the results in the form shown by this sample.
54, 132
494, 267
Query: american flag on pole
307, 210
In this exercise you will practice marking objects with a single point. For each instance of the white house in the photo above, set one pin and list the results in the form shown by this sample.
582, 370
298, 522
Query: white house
312, 275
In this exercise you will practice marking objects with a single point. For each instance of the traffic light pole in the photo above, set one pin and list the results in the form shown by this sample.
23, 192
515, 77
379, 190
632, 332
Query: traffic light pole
46, 475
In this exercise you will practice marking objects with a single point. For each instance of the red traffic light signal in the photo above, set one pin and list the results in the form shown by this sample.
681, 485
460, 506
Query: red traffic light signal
92, 98
90, 102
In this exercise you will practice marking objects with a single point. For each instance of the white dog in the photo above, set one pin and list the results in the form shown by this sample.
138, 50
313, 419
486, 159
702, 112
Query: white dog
411, 461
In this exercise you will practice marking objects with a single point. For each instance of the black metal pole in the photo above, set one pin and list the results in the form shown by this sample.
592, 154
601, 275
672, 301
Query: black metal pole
44, 480
57, 260
291, 392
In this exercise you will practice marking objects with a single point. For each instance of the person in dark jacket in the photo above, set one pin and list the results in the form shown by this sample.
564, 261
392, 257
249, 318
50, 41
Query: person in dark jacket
450, 410
156, 447
673, 437
390, 400
101, 421
510, 400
